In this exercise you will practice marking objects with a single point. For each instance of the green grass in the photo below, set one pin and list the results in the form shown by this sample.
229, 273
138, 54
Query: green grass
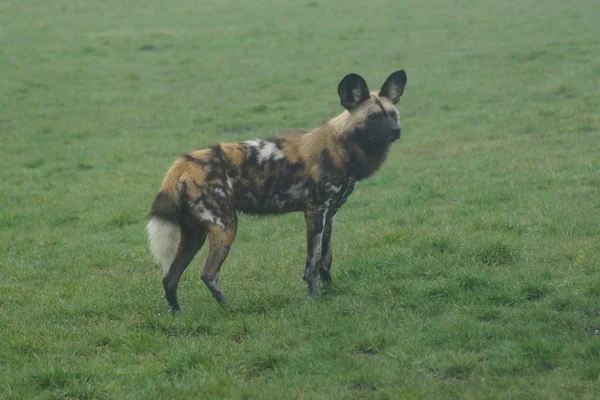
469, 267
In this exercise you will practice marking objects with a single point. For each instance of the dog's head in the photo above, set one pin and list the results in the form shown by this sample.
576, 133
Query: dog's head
373, 116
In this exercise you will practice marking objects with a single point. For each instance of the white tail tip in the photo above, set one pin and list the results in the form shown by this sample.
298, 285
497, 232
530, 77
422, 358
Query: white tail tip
164, 238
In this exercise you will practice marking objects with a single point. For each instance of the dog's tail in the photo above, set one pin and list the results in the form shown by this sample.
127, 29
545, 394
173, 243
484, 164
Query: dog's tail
165, 220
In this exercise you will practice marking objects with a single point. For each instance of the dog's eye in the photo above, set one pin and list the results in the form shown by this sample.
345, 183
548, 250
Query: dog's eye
373, 116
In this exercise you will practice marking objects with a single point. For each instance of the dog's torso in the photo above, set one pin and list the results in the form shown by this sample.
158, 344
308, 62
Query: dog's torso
265, 177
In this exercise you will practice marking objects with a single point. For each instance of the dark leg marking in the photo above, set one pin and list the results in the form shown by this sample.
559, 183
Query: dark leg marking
220, 243
315, 226
326, 254
191, 242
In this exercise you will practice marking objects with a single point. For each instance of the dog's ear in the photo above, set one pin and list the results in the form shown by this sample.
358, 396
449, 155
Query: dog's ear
394, 86
352, 90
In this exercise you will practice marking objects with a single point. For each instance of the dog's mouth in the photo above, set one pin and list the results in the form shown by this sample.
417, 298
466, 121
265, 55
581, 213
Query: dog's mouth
394, 136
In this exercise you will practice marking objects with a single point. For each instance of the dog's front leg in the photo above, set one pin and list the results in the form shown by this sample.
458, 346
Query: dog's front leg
326, 251
315, 227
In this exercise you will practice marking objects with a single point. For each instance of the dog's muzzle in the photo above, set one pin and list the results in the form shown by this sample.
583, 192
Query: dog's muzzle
395, 134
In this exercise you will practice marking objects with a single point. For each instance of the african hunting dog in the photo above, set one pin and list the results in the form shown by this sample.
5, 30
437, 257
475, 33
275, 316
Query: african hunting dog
313, 172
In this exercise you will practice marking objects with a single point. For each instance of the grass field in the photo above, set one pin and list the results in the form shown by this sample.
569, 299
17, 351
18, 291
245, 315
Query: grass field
469, 267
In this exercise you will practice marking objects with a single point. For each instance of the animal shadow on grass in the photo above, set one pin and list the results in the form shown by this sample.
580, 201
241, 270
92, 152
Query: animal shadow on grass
261, 305
175, 327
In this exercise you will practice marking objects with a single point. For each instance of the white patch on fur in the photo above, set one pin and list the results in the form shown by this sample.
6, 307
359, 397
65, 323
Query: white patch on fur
331, 188
229, 182
207, 216
211, 218
317, 249
163, 237
297, 190
318, 246
269, 150
219, 192
256, 143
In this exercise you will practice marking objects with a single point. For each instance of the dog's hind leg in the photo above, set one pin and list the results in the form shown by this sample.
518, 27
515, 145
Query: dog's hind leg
190, 244
220, 239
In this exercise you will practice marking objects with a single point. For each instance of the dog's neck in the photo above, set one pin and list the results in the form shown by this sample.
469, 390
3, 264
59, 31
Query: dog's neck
365, 157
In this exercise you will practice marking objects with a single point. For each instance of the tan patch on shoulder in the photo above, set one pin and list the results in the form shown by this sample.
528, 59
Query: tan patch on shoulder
310, 148
291, 132
235, 152
315, 172
291, 148
338, 154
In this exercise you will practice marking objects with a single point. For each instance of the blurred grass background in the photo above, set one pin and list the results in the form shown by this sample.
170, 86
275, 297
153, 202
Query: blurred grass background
467, 268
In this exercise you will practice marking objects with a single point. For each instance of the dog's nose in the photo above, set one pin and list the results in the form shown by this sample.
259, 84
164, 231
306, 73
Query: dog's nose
396, 133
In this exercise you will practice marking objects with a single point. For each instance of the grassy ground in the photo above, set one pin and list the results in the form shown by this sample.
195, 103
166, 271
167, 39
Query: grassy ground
467, 268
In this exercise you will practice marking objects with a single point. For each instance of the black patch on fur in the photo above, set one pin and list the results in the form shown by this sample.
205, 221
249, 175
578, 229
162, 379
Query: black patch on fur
251, 156
353, 90
165, 208
214, 173
365, 156
220, 155
327, 162
394, 86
